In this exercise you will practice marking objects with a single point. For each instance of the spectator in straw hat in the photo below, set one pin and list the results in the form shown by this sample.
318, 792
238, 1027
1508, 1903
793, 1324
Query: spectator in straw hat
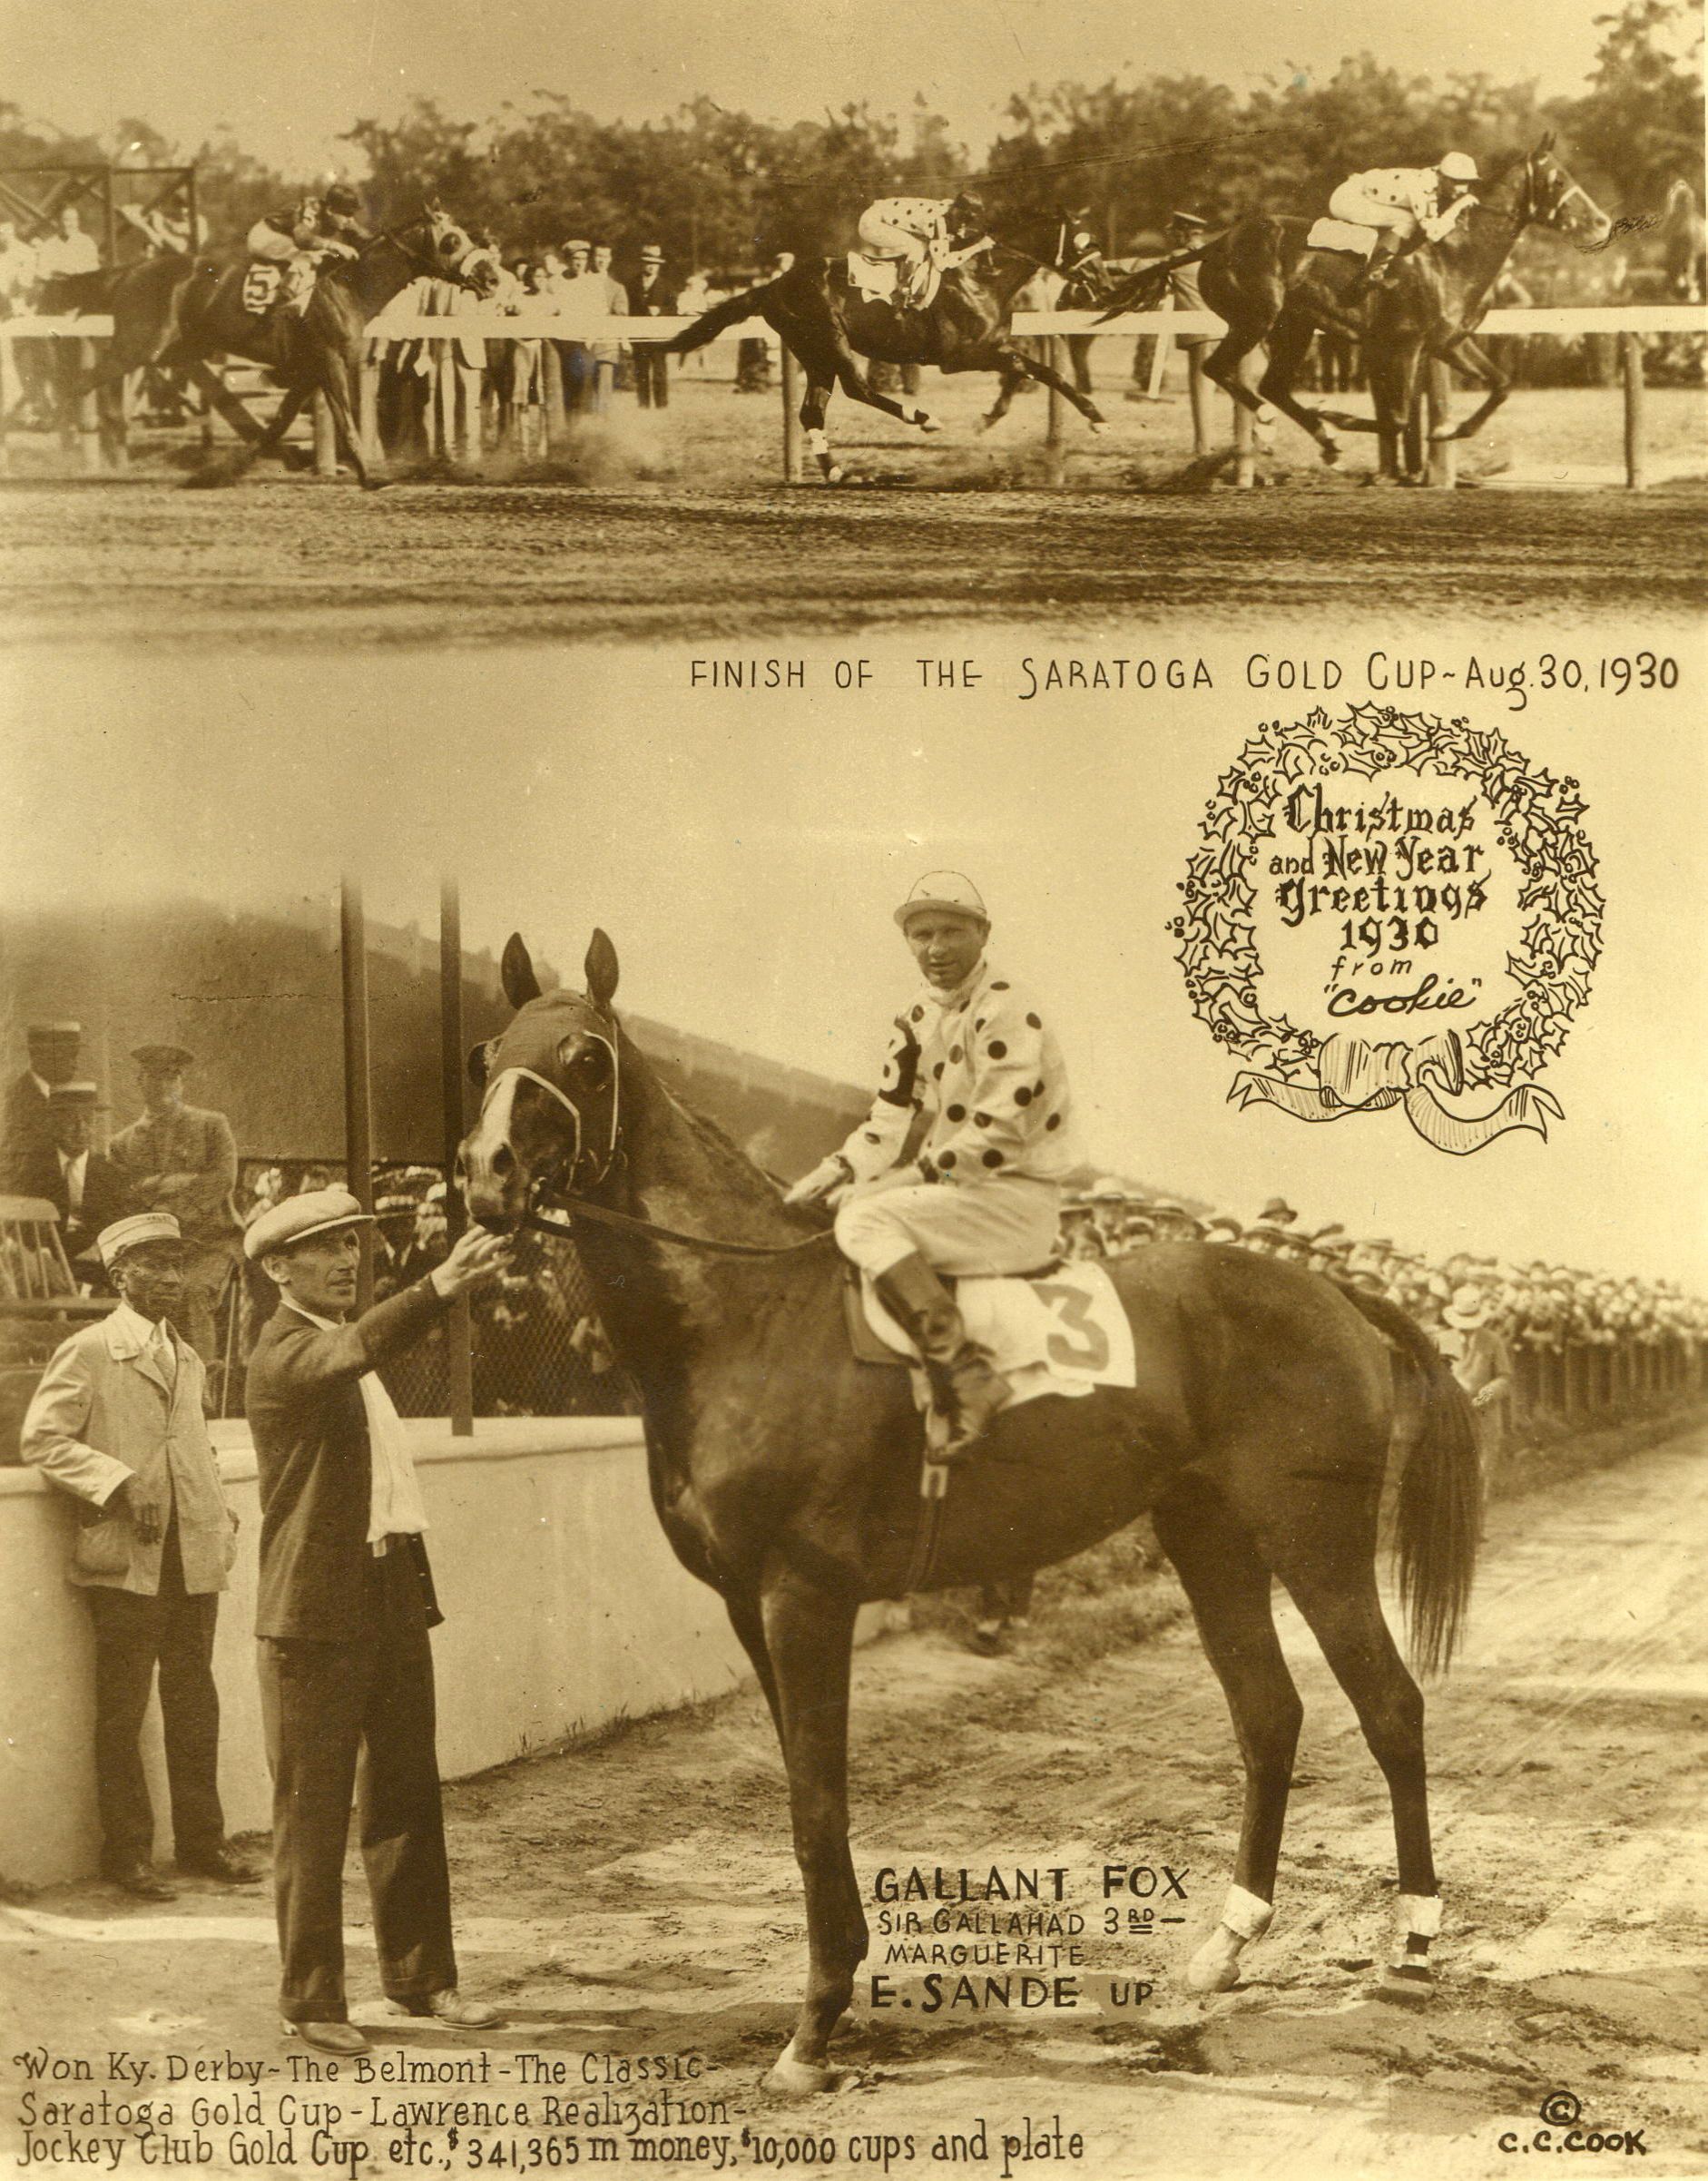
182, 1159
1222, 1228
344, 1604
27, 1139
118, 1421
652, 294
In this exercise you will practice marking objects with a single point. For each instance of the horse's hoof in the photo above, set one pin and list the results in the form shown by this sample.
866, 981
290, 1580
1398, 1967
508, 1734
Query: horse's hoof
1442, 433
835, 473
927, 424
1329, 449
1410, 1982
792, 2078
1096, 427
1215, 1967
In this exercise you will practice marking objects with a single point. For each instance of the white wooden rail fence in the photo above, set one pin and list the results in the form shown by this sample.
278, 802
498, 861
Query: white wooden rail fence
457, 393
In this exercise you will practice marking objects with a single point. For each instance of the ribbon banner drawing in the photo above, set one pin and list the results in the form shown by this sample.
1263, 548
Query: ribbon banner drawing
1410, 795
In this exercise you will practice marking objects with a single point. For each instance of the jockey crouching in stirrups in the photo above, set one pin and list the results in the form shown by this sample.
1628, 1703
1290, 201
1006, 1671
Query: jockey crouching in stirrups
299, 236
974, 1072
1405, 206
924, 235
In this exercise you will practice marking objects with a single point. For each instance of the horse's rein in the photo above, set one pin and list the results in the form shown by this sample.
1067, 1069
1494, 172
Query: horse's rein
579, 1208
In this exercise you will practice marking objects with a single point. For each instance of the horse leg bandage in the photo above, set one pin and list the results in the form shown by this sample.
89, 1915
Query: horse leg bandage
1245, 1915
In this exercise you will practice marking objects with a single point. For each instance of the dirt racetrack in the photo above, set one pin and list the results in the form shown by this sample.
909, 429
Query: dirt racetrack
674, 529
636, 1897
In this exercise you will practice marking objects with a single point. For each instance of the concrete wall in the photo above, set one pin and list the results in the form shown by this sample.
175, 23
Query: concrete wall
564, 1609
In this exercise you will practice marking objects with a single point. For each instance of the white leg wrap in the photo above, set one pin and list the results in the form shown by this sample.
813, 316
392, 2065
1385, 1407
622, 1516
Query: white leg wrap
1245, 1915
1420, 1914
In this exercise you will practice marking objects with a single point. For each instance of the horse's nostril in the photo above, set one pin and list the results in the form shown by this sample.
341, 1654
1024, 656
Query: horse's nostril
504, 1160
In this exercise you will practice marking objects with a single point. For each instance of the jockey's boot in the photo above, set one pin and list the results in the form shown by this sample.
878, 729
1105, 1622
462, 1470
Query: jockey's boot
964, 1390
1374, 273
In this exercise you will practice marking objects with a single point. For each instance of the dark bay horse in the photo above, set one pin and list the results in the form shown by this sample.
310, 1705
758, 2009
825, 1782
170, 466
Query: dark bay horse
1261, 276
181, 308
828, 323
786, 1473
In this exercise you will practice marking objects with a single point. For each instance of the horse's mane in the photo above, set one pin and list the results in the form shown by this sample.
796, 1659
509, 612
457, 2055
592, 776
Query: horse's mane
725, 1154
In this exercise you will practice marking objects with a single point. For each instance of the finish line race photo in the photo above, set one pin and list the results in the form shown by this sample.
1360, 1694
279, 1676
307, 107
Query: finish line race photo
852, 1297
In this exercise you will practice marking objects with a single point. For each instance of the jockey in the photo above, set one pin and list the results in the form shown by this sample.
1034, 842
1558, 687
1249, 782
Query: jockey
299, 236
1405, 205
958, 1168
924, 234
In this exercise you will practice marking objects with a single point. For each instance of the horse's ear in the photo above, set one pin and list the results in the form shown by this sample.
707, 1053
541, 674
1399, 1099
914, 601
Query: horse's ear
516, 969
601, 970
478, 1056
1546, 145
433, 207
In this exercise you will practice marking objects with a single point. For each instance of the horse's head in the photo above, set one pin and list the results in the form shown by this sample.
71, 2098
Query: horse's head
1060, 239
550, 1110
1549, 197
449, 252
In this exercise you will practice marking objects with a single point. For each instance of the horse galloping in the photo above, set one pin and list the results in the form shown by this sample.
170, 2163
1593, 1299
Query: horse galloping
786, 1473
818, 311
181, 308
1263, 277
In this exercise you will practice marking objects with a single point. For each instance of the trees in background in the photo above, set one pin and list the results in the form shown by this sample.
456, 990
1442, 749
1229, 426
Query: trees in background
725, 191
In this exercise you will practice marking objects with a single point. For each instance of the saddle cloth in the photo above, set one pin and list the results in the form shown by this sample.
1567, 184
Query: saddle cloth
261, 284
1063, 1332
876, 278
1341, 234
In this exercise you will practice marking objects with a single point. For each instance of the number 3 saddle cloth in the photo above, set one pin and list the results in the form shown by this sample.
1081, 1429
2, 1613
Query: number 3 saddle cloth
1061, 1331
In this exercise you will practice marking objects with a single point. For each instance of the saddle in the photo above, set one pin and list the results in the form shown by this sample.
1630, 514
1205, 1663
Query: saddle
1341, 235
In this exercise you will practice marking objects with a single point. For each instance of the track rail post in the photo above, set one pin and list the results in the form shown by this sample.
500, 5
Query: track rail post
1441, 456
793, 447
1637, 450
325, 438
88, 408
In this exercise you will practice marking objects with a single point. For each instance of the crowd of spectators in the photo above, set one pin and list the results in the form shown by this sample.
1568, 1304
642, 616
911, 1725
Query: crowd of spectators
1526, 1341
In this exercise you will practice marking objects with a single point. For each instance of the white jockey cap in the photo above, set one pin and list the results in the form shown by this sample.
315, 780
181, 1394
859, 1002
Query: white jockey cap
1108, 1192
1460, 166
950, 890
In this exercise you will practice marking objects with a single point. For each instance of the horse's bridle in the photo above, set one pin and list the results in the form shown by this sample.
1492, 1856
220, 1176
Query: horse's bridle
435, 267
551, 1188
1067, 272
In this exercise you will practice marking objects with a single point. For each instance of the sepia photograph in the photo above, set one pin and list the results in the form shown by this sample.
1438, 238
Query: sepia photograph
853, 1308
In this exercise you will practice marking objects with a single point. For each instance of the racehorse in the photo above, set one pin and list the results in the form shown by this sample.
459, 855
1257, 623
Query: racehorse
817, 309
787, 1474
179, 308
1263, 277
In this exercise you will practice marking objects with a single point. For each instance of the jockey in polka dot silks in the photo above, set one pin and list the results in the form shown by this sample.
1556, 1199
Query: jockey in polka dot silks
299, 236
1405, 205
923, 235
958, 1169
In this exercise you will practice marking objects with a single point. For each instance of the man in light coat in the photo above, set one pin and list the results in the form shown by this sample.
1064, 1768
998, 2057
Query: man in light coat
958, 1166
118, 1421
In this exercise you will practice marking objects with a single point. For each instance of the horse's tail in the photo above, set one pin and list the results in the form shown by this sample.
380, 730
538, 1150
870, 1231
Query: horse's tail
76, 294
734, 311
1440, 1491
1145, 289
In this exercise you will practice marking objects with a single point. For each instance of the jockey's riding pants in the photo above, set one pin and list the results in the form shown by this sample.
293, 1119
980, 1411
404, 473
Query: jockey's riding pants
1351, 204
1007, 1224
267, 242
880, 239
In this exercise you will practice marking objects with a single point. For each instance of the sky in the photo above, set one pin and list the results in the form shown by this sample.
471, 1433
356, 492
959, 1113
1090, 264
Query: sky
745, 853
287, 80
